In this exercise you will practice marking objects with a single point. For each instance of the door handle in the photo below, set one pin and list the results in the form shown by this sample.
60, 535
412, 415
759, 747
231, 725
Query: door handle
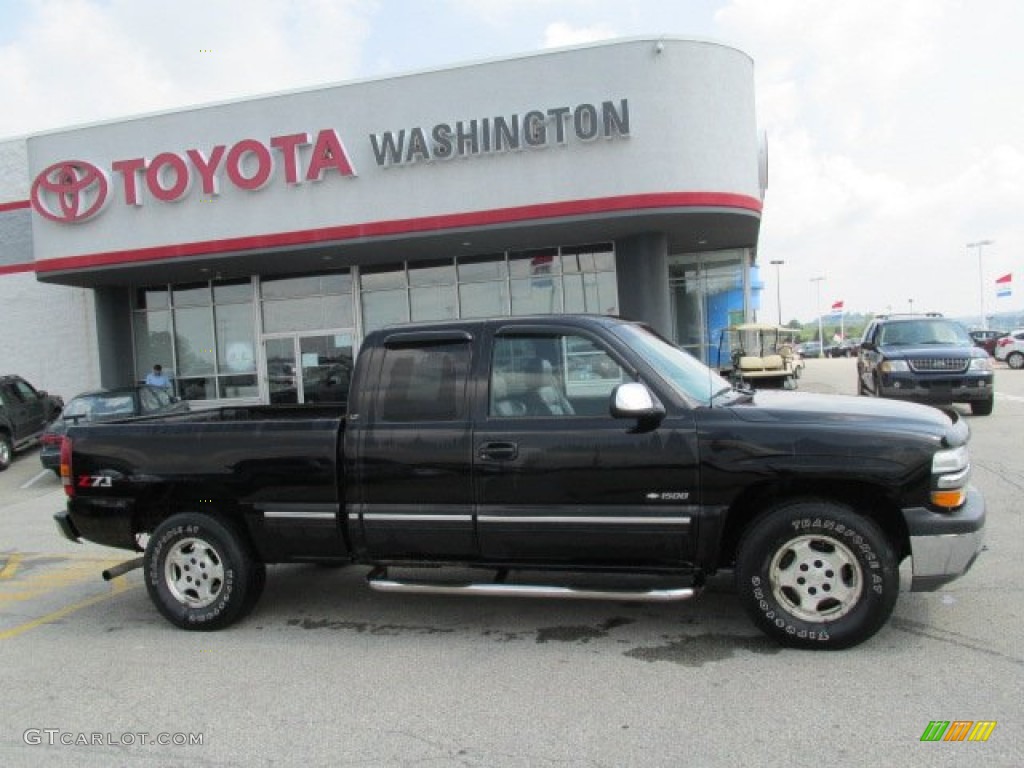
500, 451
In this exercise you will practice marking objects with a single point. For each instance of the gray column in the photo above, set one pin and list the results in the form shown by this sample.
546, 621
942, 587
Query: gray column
641, 268
114, 336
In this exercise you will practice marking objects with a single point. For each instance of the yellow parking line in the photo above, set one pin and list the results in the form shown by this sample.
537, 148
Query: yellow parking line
10, 567
7, 634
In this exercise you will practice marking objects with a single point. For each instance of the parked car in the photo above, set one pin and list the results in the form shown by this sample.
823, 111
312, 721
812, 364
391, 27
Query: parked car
987, 340
24, 414
809, 349
1010, 349
102, 405
927, 358
845, 348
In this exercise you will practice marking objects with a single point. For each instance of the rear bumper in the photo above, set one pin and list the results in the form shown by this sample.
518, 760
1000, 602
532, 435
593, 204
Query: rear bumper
49, 456
101, 520
66, 527
945, 546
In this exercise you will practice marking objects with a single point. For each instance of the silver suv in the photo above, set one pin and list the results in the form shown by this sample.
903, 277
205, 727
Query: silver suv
927, 358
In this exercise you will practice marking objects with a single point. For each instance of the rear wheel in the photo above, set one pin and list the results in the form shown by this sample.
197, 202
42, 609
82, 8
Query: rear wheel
1015, 360
815, 574
200, 573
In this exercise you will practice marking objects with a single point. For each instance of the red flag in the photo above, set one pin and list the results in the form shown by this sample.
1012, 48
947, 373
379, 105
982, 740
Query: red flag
837, 306
1005, 278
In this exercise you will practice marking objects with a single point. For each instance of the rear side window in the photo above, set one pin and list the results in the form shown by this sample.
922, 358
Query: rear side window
424, 383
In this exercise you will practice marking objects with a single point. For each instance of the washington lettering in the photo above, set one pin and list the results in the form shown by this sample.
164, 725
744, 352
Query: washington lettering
534, 129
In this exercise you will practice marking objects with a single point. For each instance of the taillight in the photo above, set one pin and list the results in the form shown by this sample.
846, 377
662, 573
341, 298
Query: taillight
65, 466
1004, 342
50, 438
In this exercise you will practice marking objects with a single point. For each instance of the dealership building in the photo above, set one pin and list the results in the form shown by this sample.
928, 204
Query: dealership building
249, 246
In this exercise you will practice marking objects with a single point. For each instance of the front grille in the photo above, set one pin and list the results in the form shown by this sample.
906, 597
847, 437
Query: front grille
939, 364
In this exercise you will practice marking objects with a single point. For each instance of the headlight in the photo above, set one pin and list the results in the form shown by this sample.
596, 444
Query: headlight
950, 470
951, 460
981, 364
894, 366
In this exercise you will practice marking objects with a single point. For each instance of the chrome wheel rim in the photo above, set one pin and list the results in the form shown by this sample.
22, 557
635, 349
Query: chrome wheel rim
194, 573
1015, 361
816, 578
5, 453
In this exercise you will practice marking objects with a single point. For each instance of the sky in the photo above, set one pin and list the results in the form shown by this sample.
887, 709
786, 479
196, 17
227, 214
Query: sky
895, 128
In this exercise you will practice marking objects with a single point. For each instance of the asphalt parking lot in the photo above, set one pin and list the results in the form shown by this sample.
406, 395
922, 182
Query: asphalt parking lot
326, 672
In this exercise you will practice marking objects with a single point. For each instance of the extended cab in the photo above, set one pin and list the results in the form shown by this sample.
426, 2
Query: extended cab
555, 445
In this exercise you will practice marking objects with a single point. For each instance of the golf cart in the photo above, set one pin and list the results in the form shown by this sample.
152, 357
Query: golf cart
758, 354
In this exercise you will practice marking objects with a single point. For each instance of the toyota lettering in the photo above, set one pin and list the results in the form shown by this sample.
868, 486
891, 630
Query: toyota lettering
73, 191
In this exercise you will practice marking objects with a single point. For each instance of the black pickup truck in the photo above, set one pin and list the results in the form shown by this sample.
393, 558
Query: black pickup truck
553, 452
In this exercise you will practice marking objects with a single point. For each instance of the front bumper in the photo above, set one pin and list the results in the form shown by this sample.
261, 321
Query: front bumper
944, 546
962, 388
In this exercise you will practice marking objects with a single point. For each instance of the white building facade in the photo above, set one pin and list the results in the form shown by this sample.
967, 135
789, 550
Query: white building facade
248, 246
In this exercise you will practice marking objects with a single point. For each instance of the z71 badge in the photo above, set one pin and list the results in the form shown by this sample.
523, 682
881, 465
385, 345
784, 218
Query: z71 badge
95, 481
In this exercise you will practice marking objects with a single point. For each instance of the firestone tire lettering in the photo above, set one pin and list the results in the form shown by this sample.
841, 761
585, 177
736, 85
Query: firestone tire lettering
844, 592
238, 591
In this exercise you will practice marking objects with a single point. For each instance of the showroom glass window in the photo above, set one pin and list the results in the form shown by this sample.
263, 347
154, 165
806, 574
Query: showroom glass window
203, 335
537, 281
307, 303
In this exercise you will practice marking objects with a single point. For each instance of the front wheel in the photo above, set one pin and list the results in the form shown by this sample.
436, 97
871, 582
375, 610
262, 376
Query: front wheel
6, 451
815, 574
200, 573
982, 407
1015, 360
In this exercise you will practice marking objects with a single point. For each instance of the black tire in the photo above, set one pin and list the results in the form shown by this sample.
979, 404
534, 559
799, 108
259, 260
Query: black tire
982, 407
6, 451
816, 575
1015, 360
861, 389
200, 573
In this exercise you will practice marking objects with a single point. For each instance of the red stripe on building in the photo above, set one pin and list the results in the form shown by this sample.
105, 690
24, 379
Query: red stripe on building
15, 206
540, 211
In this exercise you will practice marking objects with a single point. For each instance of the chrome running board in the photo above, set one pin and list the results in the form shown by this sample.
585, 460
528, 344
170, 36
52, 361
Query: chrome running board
378, 581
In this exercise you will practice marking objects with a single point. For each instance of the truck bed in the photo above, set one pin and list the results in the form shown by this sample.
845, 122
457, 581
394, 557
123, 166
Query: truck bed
271, 468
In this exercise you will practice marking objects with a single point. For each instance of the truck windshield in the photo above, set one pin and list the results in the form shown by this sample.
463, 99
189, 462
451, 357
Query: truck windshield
683, 372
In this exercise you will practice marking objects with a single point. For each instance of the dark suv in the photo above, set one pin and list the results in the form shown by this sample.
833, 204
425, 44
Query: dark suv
24, 413
927, 358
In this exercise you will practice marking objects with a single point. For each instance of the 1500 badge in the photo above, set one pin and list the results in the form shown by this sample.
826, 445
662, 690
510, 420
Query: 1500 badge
668, 496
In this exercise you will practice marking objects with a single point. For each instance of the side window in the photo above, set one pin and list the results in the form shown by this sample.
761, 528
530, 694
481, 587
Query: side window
22, 391
424, 383
162, 396
558, 375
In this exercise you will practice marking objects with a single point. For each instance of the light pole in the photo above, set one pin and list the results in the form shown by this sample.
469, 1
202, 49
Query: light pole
981, 280
911, 305
778, 285
817, 306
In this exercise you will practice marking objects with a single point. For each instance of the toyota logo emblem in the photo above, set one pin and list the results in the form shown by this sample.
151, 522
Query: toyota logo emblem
70, 191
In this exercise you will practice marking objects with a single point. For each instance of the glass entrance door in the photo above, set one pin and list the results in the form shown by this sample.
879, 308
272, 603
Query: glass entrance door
309, 368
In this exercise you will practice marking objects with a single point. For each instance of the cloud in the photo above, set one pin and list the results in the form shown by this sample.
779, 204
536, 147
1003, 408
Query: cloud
560, 34
78, 61
891, 144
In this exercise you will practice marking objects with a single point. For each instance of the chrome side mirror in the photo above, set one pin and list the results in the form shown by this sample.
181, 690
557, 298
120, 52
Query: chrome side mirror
634, 400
